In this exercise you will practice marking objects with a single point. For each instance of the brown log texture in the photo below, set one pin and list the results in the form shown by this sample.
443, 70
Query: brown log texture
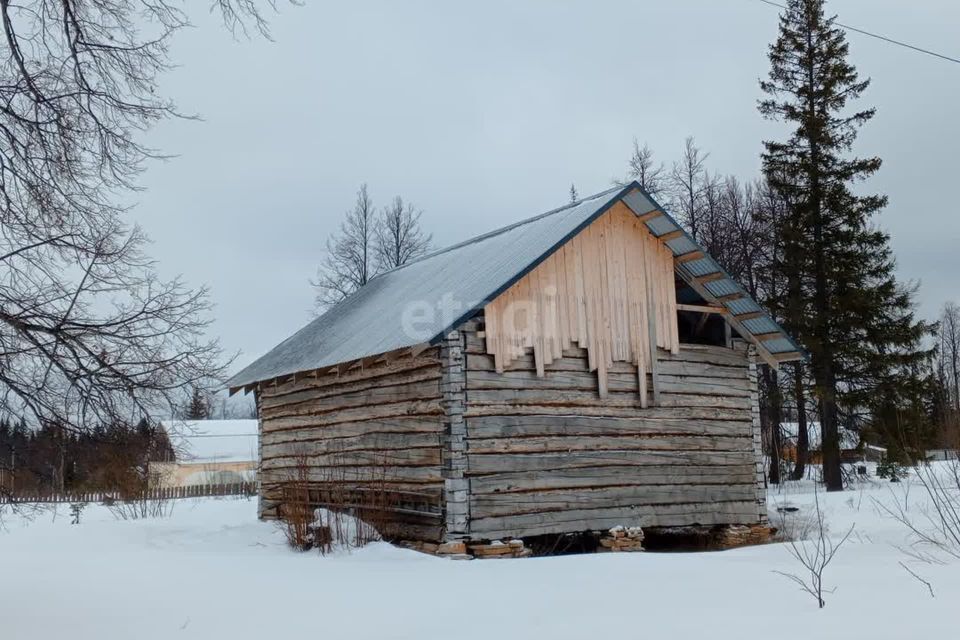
369, 435
546, 454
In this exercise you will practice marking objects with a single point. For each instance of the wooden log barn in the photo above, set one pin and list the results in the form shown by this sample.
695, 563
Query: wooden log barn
586, 368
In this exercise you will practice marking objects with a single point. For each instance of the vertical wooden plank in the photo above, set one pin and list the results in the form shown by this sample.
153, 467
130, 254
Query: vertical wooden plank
620, 232
551, 289
610, 285
653, 306
603, 296
536, 323
562, 301
641, 238
583, 338
587, 276
663, 329
570, 263
672, 301
652, 326
635, 292
600, 298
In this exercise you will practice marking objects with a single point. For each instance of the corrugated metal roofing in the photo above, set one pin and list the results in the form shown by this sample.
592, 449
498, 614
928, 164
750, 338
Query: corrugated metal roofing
423, 300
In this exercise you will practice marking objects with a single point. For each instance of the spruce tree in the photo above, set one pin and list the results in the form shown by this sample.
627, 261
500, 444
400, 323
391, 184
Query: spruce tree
199, 406
842, 299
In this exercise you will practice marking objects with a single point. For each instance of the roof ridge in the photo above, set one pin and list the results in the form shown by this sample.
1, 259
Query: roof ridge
496, 232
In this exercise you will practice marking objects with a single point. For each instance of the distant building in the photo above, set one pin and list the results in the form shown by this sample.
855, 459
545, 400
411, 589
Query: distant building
942, 455
208, 452
851, 449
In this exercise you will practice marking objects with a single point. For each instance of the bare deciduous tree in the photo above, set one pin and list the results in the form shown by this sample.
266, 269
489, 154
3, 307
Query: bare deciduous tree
88, 332
399, 236
950, 351
641, 168
815, 555
351, 254
687, 178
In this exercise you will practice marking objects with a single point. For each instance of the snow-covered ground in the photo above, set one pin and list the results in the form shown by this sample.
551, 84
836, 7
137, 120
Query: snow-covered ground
212, 570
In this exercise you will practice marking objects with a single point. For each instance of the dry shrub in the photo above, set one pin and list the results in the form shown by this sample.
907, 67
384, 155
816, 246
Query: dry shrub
295, 513
934, 526
793, 525
814, 556
343, 509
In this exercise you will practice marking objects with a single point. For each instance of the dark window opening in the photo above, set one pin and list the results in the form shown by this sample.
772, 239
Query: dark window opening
698, 327
702, 328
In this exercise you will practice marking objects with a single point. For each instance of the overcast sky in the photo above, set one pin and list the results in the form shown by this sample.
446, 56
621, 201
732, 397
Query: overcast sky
485, 114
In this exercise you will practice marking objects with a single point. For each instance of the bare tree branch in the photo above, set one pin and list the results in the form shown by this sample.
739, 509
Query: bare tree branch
88, 332
399, 236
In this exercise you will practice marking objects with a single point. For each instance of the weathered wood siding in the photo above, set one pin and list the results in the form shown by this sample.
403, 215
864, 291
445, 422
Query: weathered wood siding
545, 454
378, 428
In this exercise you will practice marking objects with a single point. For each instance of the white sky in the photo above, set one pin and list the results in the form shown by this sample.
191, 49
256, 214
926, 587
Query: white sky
484, 114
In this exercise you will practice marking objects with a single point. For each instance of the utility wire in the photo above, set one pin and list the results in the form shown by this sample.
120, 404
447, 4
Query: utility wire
879, 37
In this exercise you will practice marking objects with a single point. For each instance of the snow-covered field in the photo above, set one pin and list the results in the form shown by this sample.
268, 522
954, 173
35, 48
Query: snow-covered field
212, 570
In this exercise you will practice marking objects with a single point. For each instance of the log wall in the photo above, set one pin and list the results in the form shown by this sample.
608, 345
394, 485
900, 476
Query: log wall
376, 430
546, 454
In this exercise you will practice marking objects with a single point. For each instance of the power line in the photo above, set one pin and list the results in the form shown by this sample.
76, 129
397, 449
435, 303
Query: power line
879, 37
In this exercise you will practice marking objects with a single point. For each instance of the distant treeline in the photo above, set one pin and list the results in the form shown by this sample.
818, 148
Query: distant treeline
107, 458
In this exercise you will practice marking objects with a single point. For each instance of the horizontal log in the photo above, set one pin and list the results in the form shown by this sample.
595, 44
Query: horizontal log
386, 459
572, 426
739, 371
691, 413
378, 491
587, 382
273, 479
417, 391
280, 421
572, 380
687, 353
559, 444
569, 363
670, 397
383, 442
392, 381
282, 470
510, 504
429, 358
576, 520
674, 384
735, 384
305, 431
705, 354
478, 464
610, 476
690, 367
687, 400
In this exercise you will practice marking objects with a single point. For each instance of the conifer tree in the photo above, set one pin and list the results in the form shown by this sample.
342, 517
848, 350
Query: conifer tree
199, 407
842, 299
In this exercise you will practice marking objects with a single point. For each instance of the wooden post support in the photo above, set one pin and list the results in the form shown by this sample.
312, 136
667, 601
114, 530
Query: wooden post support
456, 488
761, 478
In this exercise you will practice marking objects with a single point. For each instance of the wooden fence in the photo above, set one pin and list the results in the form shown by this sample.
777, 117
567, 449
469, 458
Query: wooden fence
158, 493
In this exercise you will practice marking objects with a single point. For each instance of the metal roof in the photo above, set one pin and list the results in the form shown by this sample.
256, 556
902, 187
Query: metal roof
423, 300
